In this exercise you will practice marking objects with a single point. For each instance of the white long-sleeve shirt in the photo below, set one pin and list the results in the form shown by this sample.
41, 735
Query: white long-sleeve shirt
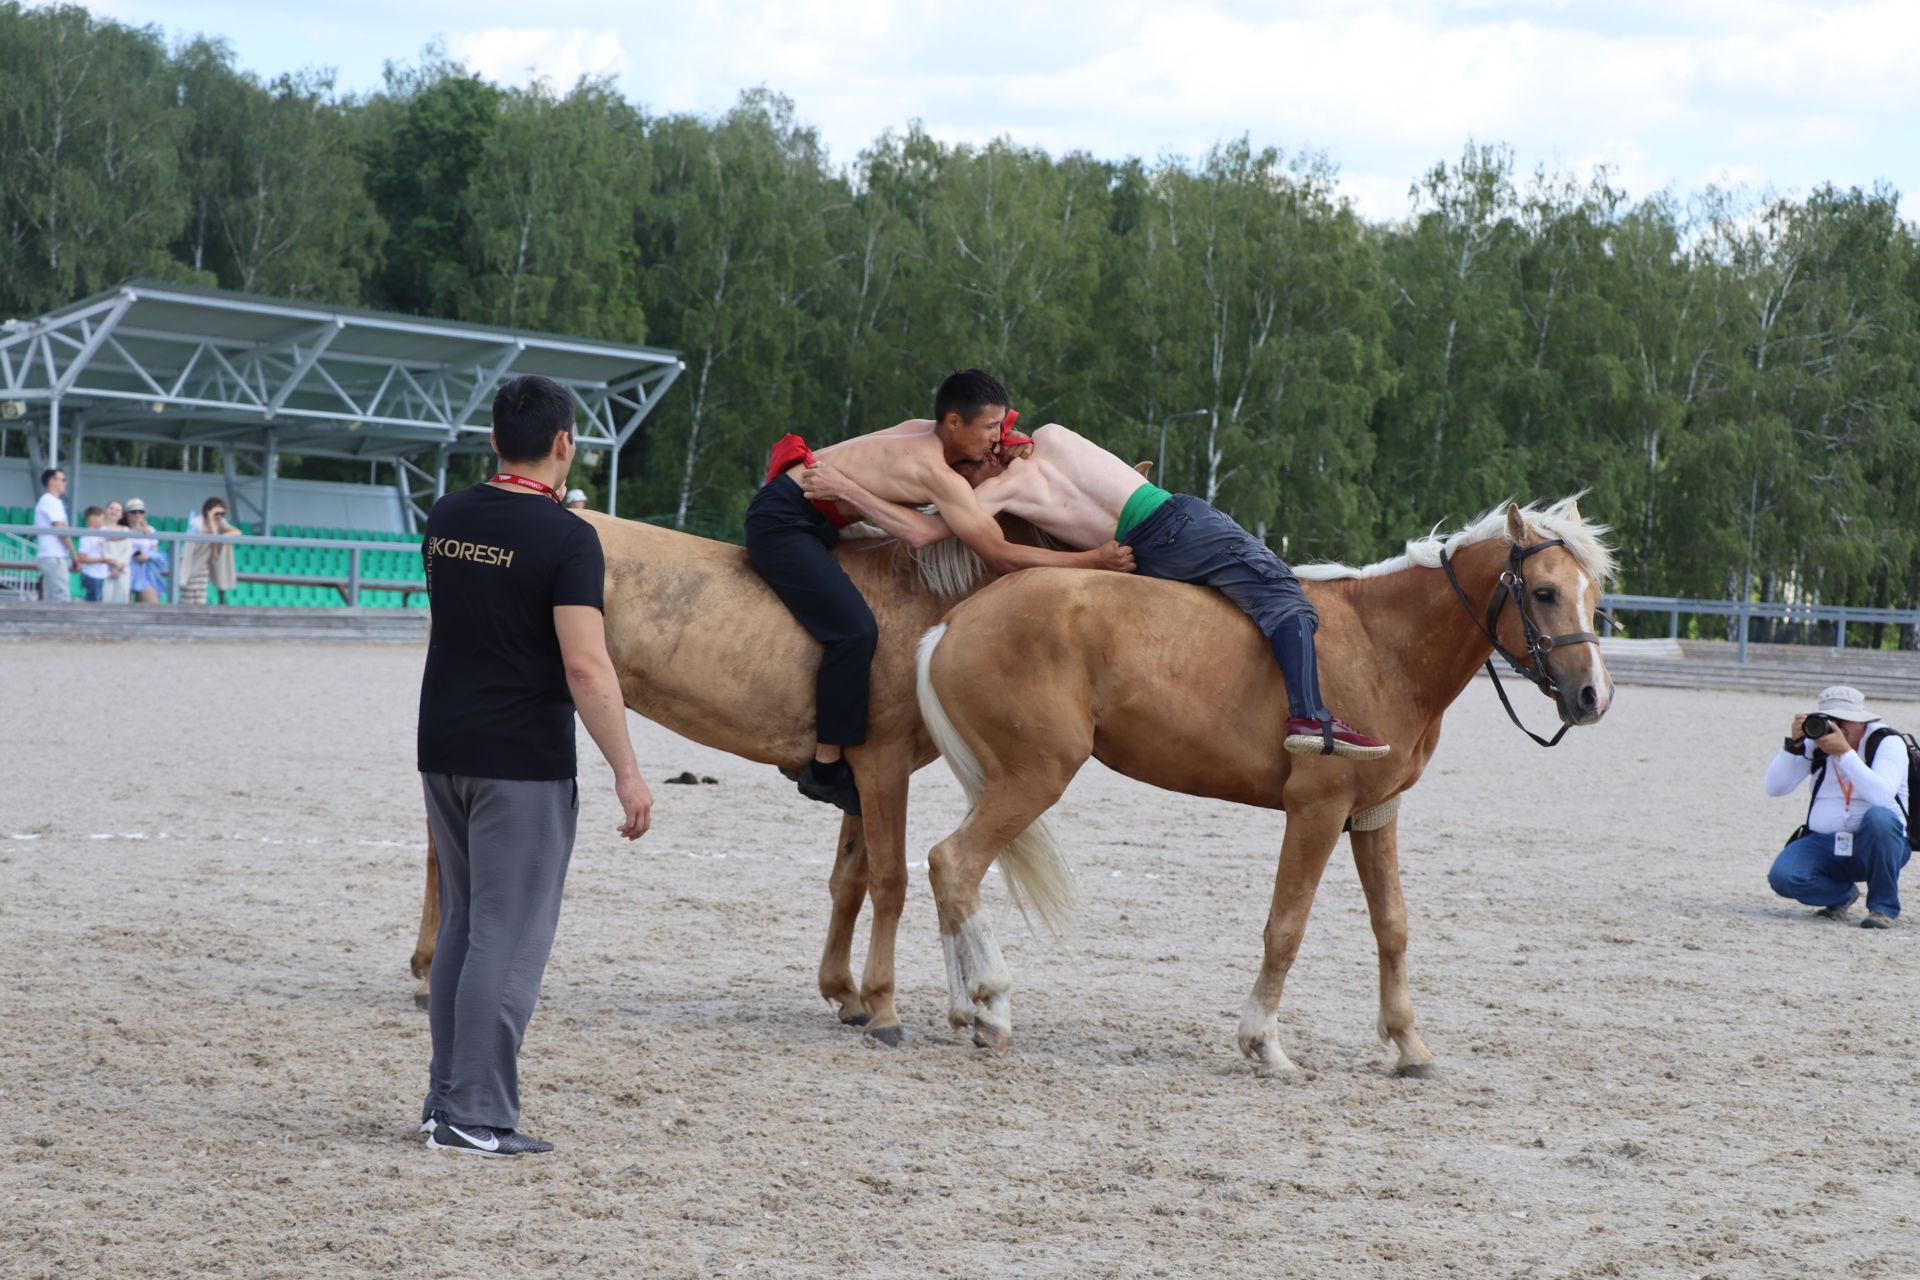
1884, 785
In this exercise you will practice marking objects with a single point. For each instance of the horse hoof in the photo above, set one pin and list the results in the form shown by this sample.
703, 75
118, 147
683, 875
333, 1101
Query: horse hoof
856, 1019
991, 1038
892, 1037
1270, 1062
1417, 1070
421, 1000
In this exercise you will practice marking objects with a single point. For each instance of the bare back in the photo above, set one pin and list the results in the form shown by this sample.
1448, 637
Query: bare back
1069, 488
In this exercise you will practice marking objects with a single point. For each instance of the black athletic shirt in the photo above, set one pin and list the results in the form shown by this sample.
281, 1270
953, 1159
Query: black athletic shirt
494, 701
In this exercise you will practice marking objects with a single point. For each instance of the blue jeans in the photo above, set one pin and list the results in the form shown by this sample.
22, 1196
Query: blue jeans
1807, 871
1188, 540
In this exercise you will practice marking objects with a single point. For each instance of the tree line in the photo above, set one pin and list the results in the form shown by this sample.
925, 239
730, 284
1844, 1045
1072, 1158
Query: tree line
1732, 378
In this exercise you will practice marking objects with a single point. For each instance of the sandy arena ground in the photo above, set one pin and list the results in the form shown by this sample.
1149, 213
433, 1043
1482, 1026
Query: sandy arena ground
211, 1062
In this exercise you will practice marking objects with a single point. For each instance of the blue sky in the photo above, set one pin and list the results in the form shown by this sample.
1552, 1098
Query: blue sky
1783, 94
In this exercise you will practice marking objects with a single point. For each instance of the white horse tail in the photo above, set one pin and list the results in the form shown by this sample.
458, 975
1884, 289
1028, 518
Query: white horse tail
1035, 866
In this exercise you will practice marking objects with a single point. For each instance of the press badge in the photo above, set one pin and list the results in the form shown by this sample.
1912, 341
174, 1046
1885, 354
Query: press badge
1843, 844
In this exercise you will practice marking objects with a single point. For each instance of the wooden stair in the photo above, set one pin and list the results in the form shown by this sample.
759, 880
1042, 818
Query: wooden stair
1797, 670
80, 621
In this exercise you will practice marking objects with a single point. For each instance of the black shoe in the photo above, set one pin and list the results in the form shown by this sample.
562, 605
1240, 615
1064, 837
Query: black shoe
1875, 920
832, 784
477, 1139
429, 1119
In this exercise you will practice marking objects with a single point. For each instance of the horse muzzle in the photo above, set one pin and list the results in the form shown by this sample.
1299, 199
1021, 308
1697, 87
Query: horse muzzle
1583, 699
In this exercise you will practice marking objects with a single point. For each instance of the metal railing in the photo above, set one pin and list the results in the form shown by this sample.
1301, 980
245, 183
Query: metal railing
1748, 610
349, 587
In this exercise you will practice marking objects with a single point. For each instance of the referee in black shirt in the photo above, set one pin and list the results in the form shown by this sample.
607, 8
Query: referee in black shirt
517, 645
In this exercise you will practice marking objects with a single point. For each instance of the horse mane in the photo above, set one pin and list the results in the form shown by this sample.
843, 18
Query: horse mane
950, 568
1585, 539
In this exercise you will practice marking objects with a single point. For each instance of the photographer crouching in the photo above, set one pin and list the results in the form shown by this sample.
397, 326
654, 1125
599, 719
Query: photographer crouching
1856, 827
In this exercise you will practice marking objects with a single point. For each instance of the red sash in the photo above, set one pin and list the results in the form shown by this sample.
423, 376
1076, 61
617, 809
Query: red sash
791, 449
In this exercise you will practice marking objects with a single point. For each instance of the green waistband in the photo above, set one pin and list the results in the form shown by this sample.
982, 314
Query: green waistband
1141, 503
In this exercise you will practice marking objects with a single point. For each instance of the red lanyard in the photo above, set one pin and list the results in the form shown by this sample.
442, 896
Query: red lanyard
535, 485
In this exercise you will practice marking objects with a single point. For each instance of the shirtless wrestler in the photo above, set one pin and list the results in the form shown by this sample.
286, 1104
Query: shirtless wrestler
790, 535
1069, 487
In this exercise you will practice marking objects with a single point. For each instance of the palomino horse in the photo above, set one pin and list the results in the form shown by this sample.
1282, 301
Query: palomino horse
1172, 685
703, 647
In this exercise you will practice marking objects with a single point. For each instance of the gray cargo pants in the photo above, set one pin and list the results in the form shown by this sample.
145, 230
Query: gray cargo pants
503, 847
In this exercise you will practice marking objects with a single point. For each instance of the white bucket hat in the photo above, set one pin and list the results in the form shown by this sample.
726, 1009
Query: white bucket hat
1843, 702
576, 495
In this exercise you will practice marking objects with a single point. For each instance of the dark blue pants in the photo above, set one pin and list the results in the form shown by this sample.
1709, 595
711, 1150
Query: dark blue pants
1807, 871
1188, 540
791, 543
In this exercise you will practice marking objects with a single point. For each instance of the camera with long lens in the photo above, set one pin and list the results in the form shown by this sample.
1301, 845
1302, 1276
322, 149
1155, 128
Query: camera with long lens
1816, 726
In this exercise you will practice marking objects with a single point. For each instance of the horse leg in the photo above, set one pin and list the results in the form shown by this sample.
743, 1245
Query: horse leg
1312, 831
847, 888
883, 806
978, 981
1376, 855
422, 962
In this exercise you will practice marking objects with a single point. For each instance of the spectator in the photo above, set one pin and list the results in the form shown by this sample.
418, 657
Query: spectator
118, 588
1856, 827
207, 563
54, 552
149, 568
95, 568
576, 499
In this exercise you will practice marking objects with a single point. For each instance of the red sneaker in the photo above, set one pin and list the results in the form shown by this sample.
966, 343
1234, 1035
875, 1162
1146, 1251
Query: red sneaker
1309, 738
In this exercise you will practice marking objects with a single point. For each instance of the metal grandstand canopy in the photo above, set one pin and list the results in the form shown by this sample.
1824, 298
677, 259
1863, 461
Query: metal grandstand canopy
258, 376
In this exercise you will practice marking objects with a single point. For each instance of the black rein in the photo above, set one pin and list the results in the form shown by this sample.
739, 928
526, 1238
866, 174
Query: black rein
1513, 585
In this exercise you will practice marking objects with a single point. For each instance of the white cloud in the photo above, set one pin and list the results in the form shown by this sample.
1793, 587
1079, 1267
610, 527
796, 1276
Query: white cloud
1793, 92
561, 55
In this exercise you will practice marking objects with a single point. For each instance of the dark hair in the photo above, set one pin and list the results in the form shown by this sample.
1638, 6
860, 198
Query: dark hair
527, 414
46, 477
93, 511
210, 504
967, 393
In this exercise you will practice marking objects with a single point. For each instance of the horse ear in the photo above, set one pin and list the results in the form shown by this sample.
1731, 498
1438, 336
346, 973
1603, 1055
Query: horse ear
1145, 468
1517, 531
1573, 509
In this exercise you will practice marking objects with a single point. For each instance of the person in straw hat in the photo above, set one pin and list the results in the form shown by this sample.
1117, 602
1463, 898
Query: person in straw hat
1856, 827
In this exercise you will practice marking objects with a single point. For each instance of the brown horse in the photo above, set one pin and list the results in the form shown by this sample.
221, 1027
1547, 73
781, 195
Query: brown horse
706, 649
1171, 685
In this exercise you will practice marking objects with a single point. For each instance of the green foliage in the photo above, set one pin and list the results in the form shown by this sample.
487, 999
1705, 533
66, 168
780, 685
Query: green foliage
549, 209
278, 200
1731, 380
90, 141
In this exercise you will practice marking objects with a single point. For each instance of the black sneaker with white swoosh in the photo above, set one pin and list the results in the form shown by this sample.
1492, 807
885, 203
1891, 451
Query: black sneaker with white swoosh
479, 1140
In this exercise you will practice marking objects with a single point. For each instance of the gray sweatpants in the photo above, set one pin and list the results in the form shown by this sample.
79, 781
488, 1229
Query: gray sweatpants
53, 578
503, 847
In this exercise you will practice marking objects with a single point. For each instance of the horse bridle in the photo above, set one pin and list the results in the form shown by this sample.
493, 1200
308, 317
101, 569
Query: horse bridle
1513, 586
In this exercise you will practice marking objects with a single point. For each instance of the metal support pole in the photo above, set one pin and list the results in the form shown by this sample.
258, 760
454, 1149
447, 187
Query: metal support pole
273, 466
353, 578
1742, 615
53, 432
1840, 630
74, 491
613, 481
